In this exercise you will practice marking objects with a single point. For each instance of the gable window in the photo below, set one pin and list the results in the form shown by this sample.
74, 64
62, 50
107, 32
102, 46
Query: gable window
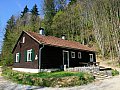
29, 55
23, 40
72, 54
17, 57
79, 55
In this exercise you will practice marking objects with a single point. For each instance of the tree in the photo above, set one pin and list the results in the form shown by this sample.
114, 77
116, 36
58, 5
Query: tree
14, 27
60, 4
35, 19
72, 2
26, 10
7, 58
34, 10
49, 12
25, 17
94, 23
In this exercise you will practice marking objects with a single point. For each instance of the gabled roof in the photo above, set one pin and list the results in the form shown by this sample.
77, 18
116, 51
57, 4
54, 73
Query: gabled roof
54, 41
58, 42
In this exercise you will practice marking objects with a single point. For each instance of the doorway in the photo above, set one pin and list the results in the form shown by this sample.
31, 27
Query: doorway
66, 58
91, 57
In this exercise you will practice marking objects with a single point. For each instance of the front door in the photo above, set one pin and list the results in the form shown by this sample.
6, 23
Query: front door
66, 58
91, 57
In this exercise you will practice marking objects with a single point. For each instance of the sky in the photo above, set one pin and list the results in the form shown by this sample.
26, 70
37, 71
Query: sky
14, 7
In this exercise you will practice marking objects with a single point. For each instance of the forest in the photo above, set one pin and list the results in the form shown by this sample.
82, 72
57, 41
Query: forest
95, 23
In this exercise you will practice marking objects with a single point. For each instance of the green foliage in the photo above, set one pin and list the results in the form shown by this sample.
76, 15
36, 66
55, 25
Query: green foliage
61, 4
93, 23
53, 79
49, 12
73, 24
15, 25
6, 55
35, 19
115, 72
34, 10
26, 10
72, 2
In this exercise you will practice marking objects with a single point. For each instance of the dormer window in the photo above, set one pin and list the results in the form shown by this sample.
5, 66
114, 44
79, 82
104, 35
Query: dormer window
23, 41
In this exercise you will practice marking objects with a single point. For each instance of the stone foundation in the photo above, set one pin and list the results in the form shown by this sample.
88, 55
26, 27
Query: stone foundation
84, 69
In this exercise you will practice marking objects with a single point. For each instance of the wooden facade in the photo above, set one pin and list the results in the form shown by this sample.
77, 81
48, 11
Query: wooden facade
21, 48
50, 56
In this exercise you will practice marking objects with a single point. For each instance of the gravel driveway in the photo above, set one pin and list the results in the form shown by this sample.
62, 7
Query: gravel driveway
107, 84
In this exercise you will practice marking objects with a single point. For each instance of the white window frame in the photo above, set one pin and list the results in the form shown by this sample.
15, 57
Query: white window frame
79, 55
23, 40
72, 54
29, 53
17, 57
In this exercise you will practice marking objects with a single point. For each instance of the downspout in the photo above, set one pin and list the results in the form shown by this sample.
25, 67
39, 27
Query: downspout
40, 57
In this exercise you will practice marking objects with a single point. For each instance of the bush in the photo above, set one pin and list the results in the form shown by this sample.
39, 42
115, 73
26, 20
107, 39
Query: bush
53, 79
115, 72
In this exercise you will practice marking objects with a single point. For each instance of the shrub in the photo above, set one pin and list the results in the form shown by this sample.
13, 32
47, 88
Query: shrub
115, 72
53, 79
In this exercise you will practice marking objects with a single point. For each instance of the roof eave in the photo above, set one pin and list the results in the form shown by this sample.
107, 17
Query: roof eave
69, 48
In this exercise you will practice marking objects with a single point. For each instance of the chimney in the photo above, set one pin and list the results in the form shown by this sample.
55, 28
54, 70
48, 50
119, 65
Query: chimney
42, 31
63, 37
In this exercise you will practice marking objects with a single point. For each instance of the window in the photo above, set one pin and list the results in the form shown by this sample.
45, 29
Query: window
23, 40
17, 58
91, 57
29, 55
79, 55
72, 54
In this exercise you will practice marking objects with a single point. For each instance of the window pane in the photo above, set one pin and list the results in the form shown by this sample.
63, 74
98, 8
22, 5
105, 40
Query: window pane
17, 57
72, 54
29, 55
23, 39
79, 55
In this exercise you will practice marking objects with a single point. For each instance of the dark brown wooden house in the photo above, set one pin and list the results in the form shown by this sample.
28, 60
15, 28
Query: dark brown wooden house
34, 53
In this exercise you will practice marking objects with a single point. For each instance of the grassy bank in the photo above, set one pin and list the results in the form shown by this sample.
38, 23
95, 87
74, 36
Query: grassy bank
53, 79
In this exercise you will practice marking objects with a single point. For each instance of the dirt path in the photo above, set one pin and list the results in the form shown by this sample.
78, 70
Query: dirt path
107, 84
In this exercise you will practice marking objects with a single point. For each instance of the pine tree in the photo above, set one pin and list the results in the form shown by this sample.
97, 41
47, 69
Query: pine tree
10, 25
26, 10
34, 10
35, 19
49, 12
25, 17
9, 36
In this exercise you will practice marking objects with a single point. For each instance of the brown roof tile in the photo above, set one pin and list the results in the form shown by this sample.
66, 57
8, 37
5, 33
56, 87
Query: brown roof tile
54, 41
